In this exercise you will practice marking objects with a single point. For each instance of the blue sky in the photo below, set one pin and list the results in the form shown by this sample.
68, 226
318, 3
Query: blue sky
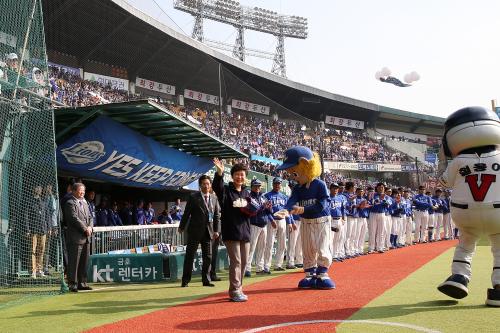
452, 44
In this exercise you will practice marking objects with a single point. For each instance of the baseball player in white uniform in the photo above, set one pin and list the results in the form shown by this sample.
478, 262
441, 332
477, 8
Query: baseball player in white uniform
472, 139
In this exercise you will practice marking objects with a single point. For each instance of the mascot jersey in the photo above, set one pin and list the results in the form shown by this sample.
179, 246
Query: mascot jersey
314, 199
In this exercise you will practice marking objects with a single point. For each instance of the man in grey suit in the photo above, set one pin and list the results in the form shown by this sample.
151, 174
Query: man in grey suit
201, 220
79, 223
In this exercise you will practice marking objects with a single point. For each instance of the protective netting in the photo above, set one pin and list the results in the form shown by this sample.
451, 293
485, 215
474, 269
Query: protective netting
30, 238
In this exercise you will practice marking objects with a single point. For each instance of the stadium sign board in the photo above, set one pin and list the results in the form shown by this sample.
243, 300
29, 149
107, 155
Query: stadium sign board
389, 167
247, 106
126, 267
155, 86
109, 151
344, 122
202, 97
113, 82
367, 167
408, 167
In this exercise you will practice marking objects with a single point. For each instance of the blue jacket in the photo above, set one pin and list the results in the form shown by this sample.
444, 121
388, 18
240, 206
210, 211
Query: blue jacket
350, 210
422, 202
139, 217
431, 209
114, 218
439, 203
127, 216
263, 216
102, 218
446, 205
337, 206
149, 215
397, 209
314, 199
164, 218
380, 205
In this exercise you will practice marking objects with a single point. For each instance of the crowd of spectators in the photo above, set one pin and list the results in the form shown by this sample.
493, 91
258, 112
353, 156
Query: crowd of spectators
69, 89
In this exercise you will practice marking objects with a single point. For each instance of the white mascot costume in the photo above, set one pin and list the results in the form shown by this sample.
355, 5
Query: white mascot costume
472, 140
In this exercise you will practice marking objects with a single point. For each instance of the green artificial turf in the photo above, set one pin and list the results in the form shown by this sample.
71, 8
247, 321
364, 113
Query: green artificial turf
416, 301
75, 312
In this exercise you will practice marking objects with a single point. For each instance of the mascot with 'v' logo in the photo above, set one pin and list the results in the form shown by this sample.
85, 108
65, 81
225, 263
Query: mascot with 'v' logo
472, 141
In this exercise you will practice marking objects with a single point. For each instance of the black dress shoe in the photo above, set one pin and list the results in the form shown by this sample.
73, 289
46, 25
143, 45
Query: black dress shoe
184, 284
214, 278
208, 284
84, 287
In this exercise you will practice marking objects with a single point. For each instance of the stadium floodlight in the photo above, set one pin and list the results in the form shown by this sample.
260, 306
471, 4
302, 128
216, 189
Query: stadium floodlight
243, 17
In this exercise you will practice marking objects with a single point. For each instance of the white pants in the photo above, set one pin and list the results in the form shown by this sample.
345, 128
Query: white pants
316, 244
396, 225
280, 234
448, 229
377, 225
478, 219
258, 237
351, 240
294, 254
408, 225
421, 218
438, 222
387, 231
363, 229
336, 239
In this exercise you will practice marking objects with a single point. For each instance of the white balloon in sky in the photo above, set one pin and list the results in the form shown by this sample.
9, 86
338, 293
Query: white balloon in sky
415, 76
408, 78
385, 71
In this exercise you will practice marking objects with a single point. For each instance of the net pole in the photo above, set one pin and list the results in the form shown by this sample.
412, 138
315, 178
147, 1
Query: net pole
25, 44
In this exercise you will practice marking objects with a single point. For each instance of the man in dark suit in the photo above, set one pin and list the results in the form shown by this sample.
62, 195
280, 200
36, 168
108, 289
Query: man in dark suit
79, 223
201, 220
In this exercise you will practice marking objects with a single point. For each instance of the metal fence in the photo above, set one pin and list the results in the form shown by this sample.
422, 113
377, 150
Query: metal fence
105, 239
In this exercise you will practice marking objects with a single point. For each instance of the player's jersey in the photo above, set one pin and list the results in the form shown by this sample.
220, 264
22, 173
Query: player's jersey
474, 178
337, 206
349, 201
278, 200
314, 199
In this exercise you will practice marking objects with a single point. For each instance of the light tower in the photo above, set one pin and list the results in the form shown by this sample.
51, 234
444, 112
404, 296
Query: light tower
243, 17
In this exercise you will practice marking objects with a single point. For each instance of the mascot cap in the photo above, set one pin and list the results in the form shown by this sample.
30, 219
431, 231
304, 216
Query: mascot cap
293, 155
465, 115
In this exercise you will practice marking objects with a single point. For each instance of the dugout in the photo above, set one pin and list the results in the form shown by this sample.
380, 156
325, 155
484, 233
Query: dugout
132, 150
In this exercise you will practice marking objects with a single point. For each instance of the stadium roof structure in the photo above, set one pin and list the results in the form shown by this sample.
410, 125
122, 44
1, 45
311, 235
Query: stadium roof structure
150, 119
114, 32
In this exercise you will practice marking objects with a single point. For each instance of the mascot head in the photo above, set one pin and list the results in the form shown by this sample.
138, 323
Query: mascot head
301, 164
470, 127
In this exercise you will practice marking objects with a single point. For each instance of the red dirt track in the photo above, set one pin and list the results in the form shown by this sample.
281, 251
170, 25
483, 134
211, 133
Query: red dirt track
279, 301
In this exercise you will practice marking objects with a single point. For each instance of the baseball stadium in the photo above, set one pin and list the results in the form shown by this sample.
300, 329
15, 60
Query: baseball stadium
143, 171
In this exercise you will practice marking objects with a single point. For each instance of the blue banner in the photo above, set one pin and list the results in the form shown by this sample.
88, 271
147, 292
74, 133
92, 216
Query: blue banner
265, 159
367, 167
408, 167
431, 158
109, 151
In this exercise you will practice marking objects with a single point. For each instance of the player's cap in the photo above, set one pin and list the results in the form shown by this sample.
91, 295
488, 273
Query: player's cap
255, 182
332, 185
12, 56
277, 180
293, 156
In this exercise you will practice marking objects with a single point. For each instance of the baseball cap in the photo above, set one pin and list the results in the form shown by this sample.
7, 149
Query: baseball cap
277, 180
255, 182
293, 156
12, 56
334, 185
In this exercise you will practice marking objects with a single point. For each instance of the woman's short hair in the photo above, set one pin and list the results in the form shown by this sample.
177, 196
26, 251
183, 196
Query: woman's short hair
238, 167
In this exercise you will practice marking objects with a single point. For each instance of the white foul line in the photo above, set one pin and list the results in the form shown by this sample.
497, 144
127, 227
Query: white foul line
384, 323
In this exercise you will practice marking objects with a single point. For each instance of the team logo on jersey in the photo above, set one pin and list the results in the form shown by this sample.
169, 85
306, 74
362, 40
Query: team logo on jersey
479, 191
84, 152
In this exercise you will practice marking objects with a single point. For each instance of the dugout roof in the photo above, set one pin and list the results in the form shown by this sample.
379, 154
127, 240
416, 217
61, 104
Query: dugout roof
114, 32
151, 120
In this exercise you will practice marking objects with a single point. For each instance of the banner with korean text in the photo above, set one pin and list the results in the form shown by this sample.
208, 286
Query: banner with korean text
344, 122
155, 86
202, 97
247, 106
107, 81
109, 151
